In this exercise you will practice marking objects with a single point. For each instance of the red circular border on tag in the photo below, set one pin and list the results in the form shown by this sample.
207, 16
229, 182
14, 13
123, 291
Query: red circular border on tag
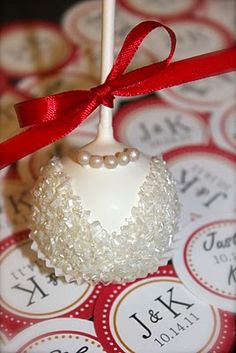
24, 25
21, 93
11, 324
4, 83
188, 12
212, 150
223, 127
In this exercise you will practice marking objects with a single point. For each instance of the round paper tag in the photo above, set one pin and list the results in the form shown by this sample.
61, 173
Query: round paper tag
205, 260
30, 292
33, 47
9, 125
57, 336
205, 179
223, 126
161, 9
203, 95
155, 127
158, 314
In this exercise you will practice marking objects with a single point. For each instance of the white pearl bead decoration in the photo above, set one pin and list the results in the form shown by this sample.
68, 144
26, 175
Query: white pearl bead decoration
123, 158
133, 154
96, 161
84, 158
110, 162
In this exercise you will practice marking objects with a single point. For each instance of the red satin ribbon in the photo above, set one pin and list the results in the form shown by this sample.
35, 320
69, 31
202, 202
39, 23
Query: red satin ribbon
51, 118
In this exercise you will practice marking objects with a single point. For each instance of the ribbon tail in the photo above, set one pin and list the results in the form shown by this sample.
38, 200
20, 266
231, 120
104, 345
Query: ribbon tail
200, 67
183, 71
36, 137
46, 109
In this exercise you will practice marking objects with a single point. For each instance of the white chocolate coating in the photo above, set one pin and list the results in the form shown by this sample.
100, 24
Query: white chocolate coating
109, 194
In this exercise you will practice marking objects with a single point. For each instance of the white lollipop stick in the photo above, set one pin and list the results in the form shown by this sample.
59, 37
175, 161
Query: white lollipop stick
108, 33
104, 142
105, 130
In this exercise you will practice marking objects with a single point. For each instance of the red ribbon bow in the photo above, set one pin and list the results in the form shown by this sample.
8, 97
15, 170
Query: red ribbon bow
51, 118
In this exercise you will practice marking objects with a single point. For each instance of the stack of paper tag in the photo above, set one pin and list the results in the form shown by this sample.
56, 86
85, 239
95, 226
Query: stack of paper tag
186, 307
